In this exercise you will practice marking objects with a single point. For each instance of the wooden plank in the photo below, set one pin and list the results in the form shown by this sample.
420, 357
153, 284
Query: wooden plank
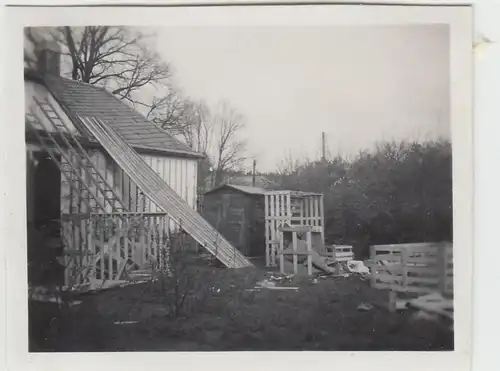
142, 241
294, 246
311, 210
389, 278
404, 260
112, 245
388, 258
282, 257
423, 260
289, 212
309, 251
298, 229
339, 255
322, 217
398, 288
283, 210
316, 211
91, 248
338, 248
274, 235
101, 253
425, 270
266, 227
396, 269
427, 280
302, 207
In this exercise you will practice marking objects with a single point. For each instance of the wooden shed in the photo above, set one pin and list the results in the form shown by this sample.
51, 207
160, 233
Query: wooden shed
237, 212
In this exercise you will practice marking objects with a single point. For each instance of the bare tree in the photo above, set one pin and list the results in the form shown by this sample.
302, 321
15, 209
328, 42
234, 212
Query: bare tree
116, 58
185, 118
215, 135
168, 111
229, 150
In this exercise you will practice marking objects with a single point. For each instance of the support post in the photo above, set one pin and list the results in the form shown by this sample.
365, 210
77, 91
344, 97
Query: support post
282, 256
294, 247
309, 252
253, 172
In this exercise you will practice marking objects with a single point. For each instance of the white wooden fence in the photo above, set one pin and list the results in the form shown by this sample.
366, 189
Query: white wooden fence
414, 268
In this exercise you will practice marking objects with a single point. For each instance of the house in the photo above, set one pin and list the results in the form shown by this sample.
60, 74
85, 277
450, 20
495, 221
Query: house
237, 212
117, 184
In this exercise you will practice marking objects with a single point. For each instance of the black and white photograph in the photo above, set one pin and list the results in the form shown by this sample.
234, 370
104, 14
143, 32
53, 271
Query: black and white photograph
238, 187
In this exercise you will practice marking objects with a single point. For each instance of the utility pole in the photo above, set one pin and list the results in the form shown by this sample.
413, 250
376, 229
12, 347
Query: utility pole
323, 147
253, 172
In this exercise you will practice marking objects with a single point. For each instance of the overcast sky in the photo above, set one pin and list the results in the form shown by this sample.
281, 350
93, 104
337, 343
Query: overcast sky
358, 84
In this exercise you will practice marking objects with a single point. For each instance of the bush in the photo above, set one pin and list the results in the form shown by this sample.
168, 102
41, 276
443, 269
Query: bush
185, 286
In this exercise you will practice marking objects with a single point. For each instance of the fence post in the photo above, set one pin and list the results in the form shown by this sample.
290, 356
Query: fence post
404, 268
442, 266
373, 266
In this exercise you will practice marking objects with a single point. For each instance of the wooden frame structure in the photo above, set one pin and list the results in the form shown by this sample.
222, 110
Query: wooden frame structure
294, 231
419, 268
103, 238
292, 209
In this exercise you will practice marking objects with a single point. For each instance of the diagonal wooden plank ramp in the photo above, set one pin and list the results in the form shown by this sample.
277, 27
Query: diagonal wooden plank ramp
165, 197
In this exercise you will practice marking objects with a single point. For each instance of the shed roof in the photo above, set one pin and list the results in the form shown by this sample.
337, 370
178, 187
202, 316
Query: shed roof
82, 99
240, 188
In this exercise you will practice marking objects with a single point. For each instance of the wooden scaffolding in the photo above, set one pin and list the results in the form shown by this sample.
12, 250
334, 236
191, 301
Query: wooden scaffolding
292, 209
102, 238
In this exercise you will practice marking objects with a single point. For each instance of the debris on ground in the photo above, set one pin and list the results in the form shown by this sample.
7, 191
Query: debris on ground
426, 316
365, 307
125, 322
266, 284
434, 303
281, 278
357, 266
401, 305
315, 280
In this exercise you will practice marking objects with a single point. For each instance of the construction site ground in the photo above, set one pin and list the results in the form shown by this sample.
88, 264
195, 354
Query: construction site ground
323, 314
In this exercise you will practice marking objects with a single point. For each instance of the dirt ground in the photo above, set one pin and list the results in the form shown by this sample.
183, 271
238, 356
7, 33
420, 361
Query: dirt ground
321, 315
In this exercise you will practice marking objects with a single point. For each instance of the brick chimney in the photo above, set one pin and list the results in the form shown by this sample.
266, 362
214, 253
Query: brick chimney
48, 58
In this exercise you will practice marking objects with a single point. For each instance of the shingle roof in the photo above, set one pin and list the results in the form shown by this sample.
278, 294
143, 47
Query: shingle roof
82, 99
244, 189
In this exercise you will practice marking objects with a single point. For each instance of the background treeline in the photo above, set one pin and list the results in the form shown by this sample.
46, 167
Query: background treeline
398, 193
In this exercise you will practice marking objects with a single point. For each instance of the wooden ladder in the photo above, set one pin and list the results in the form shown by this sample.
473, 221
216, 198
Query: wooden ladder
96, 183
58, 140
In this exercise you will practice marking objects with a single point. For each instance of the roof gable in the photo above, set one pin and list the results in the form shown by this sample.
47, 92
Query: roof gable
82, 99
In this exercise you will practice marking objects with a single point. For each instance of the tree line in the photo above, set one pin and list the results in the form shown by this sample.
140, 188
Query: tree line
398, 193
